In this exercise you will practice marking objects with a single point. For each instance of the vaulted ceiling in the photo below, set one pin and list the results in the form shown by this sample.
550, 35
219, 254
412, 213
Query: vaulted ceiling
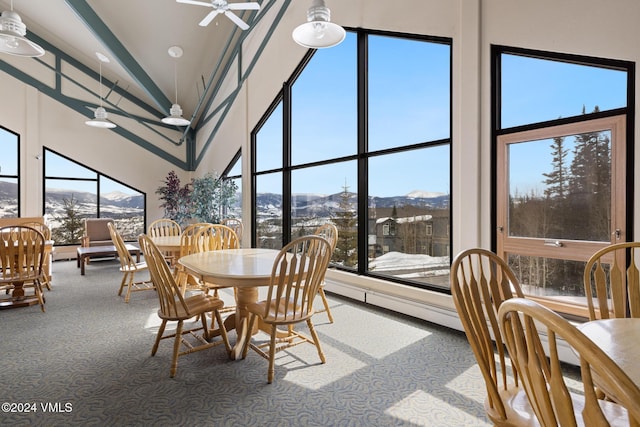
139, 81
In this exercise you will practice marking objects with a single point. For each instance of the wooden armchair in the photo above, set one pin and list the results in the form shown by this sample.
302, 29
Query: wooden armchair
329, 232
46, 264
128, 266
480, 282
165, 227
553, 401
236, 225
297, 273
175, 307
22, 253
612, 281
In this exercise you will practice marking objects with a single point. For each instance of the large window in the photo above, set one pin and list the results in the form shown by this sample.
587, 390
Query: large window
233, 173
562, 155
9, 174
360, 136
74, 192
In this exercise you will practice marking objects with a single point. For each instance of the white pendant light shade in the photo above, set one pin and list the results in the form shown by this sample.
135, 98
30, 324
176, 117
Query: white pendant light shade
12, 36
318, 32
100, 120
175, 113
175, 118
100, 115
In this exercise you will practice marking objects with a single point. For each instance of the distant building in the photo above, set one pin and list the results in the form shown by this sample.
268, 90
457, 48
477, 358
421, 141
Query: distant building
419, 233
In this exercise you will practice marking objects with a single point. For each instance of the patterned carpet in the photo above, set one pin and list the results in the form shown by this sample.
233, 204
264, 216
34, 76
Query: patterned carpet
86, 361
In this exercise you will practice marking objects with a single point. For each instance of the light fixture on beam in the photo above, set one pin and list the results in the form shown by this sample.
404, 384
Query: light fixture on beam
175, 113
318, 32
100, 115
12, 36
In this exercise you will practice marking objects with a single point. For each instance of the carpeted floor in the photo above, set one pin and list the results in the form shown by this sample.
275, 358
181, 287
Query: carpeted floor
86, 361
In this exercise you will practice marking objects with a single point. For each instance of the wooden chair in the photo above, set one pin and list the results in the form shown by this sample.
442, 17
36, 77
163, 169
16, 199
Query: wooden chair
480, 282
188, 246
165, 227
297, 273
22, 255
214, 237
128, 266
236, 225
46, 232
329, 232
175, 307
612, 275
542, 376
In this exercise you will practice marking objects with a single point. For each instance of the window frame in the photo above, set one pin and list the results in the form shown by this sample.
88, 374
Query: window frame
361, 156
97, 179
621, 156
18, 174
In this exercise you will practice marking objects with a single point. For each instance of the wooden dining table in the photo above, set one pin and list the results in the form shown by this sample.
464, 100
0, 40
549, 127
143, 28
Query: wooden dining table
245, 269
620, 339
167, 243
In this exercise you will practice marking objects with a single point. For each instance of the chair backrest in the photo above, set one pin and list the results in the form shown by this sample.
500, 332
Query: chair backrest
41, 227
235, 224
164, 227
171, 300
480, 282
297, 273
187, 238
22, 250
125, 257
330, 232
612, 281
541, 372
214, 237
97, 231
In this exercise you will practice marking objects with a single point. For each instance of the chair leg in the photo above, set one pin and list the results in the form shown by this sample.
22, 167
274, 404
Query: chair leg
247, 333
323, 297
129, 286
205, 329
158, 337
223, 331
122, 283
38, 290
176, 348
272, 355
316, 340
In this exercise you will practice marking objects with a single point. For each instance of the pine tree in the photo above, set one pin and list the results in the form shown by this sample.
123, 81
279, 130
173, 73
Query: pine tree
557, 179
345, 219
71, 223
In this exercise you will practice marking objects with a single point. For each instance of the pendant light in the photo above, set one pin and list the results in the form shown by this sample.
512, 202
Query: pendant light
12, 36
175, 113
319, 32
100, 119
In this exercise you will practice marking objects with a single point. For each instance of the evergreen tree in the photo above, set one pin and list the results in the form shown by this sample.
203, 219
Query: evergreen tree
71, 226
590, 186
557, 179
345, 219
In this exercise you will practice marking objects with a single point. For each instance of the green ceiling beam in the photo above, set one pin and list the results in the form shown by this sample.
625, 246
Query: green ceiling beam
122, 55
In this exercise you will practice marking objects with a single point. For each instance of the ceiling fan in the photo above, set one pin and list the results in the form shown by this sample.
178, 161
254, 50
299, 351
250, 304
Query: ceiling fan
222, 6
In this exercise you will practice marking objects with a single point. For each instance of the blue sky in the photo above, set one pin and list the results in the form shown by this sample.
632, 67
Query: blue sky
408, 103
534, 90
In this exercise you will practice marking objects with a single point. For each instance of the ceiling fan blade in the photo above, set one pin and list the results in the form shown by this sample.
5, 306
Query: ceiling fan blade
197, 3
244, 6
239, 22
207, 19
